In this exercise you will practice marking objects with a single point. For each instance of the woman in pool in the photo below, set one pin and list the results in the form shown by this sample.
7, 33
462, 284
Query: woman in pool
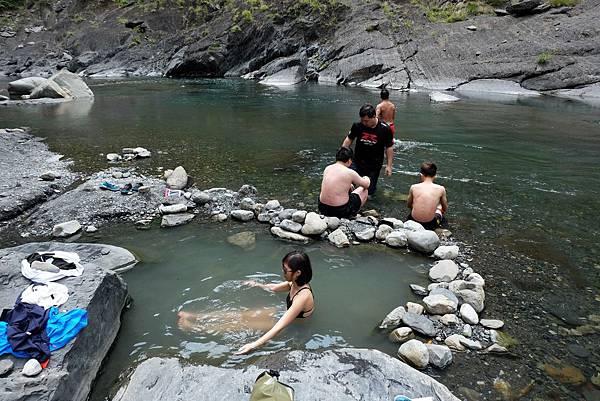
297, 273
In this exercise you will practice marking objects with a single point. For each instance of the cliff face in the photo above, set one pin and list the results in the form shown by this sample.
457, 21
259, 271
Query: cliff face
368, 43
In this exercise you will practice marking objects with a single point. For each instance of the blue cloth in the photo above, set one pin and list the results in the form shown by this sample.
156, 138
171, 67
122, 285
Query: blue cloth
26, 330
60, 329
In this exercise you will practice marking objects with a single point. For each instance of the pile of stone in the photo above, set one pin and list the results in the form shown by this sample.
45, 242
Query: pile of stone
62, 85
128, 154
449, 317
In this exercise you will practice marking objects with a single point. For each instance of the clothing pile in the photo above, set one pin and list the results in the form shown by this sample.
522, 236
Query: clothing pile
34, 327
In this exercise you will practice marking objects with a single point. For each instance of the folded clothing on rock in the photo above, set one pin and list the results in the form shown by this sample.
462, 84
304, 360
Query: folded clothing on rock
45, 295
36, 267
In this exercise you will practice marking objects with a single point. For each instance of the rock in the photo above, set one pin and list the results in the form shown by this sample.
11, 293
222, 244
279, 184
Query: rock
200, 197
314, 224
446, 252
454, 342
371, 213
50, 90
290, 226
392, 222
500, 12
24, 86
272, 205
247, 204
419, 323
281, 233
564, 373
596, 379
523, 8
467, 331
476, 278
396, 239
6, 366
393, 319
339, 238
412, 226
472, 28
144, 189
468, 314
66, 229
49, 176
72, 84
172, 209
469, 293
334, 375
178, 178
443, 271
264, 217
286, 77
242, 215
174, 220
439, 304
142, 153
423, 241
219, 217
245, 240
418, 290
365, 235
300, 215
32, 368
492, 323
495, 349
382, 232
401, 335
471, 344
286, 214
91, 229
440, 97
415, 308
113, 157
415, 353
117, 175
100, 291
332, 223
167, 173
439, 356
479, 87
449, 319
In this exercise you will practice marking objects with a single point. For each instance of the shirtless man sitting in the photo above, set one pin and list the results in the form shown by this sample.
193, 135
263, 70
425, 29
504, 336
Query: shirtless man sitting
427, 200
335, 199
386, 110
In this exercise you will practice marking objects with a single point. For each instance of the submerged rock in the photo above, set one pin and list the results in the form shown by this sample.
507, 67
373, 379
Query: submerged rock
442, 97
174, 220
246, 239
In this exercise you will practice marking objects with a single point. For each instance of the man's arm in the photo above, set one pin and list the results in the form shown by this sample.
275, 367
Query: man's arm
409, 200
359, 181
347, 142
378, 111
389, 154
444, 201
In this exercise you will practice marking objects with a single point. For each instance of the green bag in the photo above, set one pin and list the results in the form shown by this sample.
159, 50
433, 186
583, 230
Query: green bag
268, 388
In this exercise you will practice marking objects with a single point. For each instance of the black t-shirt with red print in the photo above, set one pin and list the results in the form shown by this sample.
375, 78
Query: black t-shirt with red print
371, 143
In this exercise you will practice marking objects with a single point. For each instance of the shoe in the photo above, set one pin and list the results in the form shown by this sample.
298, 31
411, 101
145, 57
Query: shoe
136, 187
109, 186
126, 190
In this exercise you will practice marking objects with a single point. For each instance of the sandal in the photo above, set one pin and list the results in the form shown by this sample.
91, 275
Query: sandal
126, 190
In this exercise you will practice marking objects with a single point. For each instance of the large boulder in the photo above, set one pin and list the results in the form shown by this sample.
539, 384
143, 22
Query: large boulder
415, 353
72, 84
333, 375
24, 86
443, 271
438, 304
314, 224
178, 179
49, 89
423, 241
100, 291
523, 7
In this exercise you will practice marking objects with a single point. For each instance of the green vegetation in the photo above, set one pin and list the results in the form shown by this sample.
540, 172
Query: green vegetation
247, 16
78, 18
122, 20
544, 57
563, 3
506, 340
235, 28
11, 4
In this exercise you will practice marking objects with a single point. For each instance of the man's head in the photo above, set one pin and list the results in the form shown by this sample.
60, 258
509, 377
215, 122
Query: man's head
428, 170
344, 155
385, 95
367, 115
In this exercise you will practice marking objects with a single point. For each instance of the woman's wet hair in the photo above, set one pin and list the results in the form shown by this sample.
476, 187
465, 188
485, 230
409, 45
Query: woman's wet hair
299, 261
367, 110
344, 154
429, 169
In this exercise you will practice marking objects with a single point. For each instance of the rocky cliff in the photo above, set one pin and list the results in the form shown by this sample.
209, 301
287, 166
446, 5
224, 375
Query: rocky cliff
372, 43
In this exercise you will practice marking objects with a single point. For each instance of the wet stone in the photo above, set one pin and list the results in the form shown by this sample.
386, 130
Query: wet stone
578, 350
418, 290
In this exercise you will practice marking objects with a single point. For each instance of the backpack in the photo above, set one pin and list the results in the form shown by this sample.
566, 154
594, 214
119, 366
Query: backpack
268, 388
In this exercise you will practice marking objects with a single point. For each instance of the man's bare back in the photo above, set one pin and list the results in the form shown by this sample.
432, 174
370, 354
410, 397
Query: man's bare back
425, 199
338, 180
386, 111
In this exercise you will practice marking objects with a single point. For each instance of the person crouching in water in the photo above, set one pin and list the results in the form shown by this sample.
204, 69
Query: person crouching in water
427, 200
337, 198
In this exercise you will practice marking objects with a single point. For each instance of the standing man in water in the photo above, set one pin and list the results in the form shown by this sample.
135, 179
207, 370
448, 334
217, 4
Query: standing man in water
386, 110
373, 139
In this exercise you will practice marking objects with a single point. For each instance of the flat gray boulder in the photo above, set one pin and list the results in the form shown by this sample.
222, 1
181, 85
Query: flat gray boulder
100, 291
242, 215
334, 375
72, 84
24, 86
419, 323
443, 271
423, 241
174, 220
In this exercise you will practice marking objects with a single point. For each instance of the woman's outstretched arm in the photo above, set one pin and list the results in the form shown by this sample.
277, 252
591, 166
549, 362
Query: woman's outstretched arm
279, 287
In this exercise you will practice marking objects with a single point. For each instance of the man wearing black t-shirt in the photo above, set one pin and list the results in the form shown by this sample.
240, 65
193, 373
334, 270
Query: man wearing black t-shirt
373, 139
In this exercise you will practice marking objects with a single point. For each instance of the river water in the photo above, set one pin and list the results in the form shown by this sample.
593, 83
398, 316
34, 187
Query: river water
522, 173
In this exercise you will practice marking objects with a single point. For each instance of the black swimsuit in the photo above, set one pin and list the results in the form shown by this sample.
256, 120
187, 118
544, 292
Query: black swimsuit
289, 301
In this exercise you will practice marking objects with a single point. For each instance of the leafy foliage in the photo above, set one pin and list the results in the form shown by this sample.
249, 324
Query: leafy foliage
544, 57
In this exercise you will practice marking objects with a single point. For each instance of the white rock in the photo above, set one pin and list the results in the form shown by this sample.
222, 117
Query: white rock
219, 217
142, 152
415, 353
366, 235
492, 323
442, 97
495, 349
332, 223
393, 319
113, 157
91, 229
467, 331
242, 215
449, 319
382, 232
167, 173
423, 241
32, 368
200, 197
247, 204
471, 344
467, 270
290, 226
401, 335
494, 336
299, 216
413, 226
444, 270
454, 342
415, 308
314, 224
419, 290
178, 178
392, 222
272, 205
66, 229
446, 252
439, 304
339, 238
281, 233
396, 239
172, 209
468, 314
174, 220
476, 278
440, 356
